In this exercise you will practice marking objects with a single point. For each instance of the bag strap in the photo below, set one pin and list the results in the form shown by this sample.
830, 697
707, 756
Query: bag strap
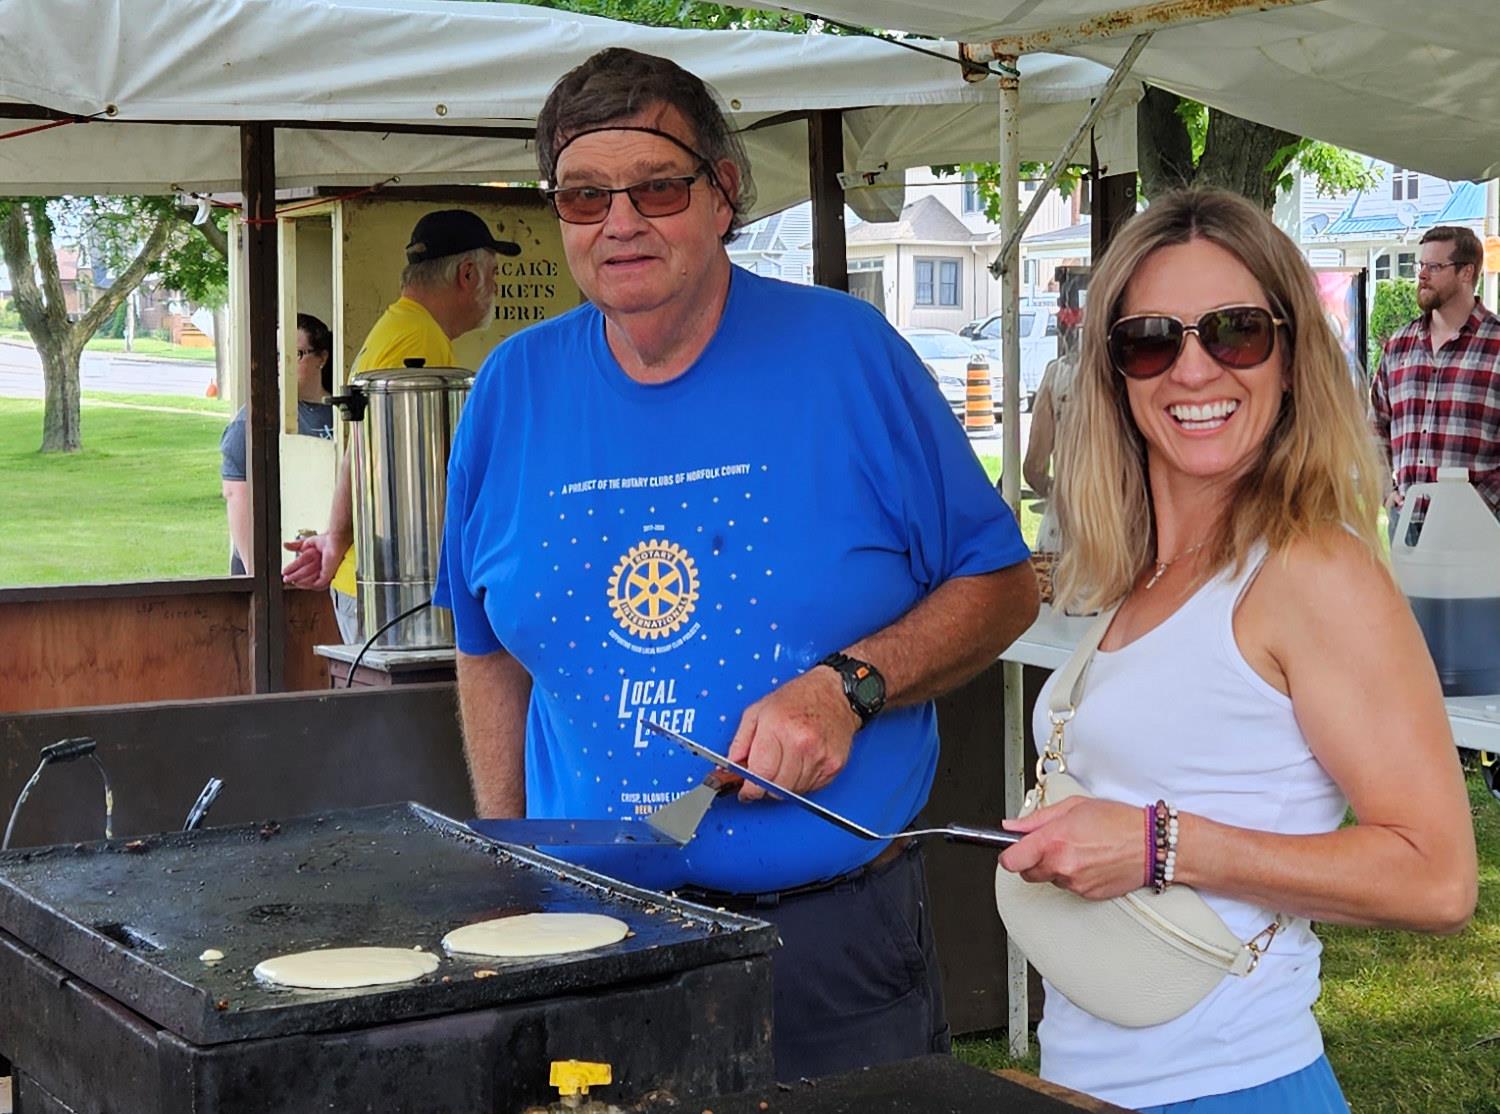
1062, 703
1069, 687
1067, 691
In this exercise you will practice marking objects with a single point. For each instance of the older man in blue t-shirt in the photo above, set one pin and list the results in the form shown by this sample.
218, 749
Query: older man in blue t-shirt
740, 508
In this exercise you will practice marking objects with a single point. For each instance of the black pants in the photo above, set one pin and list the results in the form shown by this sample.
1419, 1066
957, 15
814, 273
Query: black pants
856, 977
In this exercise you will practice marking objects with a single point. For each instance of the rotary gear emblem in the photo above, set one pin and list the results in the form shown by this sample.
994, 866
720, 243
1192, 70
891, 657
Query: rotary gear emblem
654, 589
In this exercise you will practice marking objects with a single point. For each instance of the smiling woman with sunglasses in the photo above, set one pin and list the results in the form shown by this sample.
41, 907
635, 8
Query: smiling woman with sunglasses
1218, 484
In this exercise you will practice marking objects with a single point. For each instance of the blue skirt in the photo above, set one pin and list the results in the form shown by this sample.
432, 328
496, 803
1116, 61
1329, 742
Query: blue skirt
1313, 1090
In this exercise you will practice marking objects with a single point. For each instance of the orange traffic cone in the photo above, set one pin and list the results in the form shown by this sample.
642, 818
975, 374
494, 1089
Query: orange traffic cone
213, 389
979, 403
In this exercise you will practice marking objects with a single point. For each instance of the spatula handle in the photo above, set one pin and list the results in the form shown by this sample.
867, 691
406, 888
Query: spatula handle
723, 781
985, 837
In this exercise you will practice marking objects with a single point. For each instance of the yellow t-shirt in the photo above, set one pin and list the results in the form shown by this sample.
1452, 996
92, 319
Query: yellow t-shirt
404, 331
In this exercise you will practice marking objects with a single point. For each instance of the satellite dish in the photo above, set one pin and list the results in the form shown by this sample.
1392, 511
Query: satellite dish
1407, 213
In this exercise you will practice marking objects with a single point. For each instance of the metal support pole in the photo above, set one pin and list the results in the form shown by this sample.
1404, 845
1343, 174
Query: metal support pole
1491, 228
1018, 1010
1065, 156
263, 429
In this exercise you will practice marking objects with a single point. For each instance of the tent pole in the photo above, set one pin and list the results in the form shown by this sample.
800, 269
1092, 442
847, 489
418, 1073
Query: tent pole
1132, 18
1064, 157
263, 428
825, 158
1018, 1009
1491, 229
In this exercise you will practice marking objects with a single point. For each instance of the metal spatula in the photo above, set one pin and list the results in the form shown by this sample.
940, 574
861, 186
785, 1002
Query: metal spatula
987, 837
679, 820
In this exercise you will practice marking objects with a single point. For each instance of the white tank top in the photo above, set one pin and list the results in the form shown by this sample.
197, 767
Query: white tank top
1180, 715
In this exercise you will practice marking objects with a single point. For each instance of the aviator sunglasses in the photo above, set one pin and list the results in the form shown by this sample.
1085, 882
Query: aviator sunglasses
1145, 345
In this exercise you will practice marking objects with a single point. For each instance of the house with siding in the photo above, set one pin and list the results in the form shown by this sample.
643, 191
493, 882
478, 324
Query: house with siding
1381, 228
779, 245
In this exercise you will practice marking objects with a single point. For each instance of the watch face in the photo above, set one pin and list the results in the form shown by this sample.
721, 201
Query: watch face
869, 689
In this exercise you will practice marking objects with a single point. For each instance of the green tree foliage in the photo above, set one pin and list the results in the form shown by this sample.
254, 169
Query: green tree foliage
682, 13
132, 237
1395, 306
1184, 143
986, 175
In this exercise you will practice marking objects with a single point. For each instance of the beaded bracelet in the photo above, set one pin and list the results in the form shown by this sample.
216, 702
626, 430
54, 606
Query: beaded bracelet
1165, 846
1150, 811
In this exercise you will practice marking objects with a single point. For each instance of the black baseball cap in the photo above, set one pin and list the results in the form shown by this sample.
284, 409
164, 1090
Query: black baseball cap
451, 231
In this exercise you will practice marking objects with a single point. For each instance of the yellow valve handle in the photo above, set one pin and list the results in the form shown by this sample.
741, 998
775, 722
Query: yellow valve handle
575, 1077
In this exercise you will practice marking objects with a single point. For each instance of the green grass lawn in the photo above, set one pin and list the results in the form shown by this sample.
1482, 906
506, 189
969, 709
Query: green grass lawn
196, 403
140, 502
1411, 1023
1031, 521
141, 346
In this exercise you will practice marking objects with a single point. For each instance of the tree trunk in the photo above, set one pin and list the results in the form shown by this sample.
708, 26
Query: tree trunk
27, 246
62, 419
1164, 149
1238, 156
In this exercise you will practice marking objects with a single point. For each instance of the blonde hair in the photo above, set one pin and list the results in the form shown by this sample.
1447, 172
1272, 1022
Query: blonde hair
1319, 467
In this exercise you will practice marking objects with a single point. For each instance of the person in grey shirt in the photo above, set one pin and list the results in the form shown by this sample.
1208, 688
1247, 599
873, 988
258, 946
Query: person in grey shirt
314, 419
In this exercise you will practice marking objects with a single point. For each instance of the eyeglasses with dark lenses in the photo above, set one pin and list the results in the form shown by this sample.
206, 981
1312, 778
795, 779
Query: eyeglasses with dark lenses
1145, 345
656, 197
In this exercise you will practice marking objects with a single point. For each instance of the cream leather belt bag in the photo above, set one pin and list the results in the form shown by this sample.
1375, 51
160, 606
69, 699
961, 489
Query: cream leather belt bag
1137, 960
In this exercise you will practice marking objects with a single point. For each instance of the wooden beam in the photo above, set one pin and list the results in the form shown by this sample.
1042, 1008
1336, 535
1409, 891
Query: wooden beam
263, 429
1112, 203
825, 159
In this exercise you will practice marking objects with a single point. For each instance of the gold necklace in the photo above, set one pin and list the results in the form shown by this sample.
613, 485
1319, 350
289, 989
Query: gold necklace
1163, 566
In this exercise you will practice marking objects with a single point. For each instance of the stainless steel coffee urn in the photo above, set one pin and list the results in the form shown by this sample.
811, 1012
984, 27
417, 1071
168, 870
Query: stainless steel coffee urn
403, 424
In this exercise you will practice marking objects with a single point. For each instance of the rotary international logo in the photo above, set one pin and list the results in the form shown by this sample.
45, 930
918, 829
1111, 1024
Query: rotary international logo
654, 589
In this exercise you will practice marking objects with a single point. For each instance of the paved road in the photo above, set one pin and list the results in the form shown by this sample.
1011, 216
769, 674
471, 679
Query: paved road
21, 374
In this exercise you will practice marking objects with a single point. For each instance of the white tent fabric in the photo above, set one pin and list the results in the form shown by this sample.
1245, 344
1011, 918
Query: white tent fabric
1416, 84
440, 62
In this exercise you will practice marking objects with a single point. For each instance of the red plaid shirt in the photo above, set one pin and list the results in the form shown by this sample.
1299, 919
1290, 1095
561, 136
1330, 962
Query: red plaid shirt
1442, 409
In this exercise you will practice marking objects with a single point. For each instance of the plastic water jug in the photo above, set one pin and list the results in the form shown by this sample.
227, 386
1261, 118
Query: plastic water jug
1451, 576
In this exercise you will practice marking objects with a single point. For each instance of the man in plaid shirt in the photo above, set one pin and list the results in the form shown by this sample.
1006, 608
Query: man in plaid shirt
1436, 398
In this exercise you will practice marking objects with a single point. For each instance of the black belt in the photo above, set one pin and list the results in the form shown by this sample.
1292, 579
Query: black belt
739, 903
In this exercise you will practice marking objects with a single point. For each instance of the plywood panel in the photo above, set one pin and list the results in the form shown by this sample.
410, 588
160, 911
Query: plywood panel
71, 652
309, 623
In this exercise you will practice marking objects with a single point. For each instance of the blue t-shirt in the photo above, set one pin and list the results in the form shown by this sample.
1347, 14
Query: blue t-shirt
676, 551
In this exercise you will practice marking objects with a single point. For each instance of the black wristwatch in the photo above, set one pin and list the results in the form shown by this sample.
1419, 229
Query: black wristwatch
863, 685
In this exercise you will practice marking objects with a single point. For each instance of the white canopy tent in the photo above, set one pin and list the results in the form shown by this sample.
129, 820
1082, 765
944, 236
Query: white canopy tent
458, 67
1417, 85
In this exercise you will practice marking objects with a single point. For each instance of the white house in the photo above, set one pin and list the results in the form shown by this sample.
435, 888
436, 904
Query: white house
1381, 228
931, 267
779, 245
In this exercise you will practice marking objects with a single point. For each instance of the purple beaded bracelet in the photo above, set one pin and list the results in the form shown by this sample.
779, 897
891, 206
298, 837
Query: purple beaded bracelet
1150, 811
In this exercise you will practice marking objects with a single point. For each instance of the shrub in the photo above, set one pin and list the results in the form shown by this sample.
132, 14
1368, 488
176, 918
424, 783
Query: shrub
1395, 306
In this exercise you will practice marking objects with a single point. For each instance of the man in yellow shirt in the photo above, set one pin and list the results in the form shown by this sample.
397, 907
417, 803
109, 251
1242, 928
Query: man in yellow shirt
447, 289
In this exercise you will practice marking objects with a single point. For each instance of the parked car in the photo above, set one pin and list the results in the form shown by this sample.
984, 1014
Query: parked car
1038, 345
946, 356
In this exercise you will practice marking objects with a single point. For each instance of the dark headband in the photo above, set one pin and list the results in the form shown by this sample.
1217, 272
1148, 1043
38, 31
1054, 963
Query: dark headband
713, 176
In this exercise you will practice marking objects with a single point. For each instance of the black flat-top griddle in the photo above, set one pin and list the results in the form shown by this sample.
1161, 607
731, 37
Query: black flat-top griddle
132, 918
